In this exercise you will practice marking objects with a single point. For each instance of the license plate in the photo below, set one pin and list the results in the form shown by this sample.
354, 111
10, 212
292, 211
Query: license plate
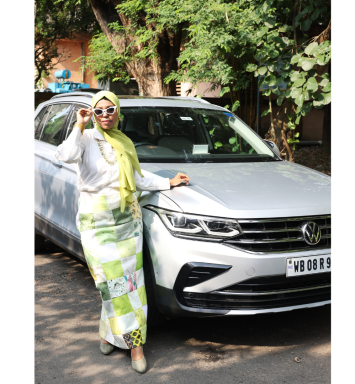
307, 265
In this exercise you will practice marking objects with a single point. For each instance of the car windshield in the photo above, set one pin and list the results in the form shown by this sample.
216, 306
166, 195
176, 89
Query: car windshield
184, 135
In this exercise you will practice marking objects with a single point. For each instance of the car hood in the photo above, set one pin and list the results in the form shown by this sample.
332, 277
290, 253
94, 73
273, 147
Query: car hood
248, 190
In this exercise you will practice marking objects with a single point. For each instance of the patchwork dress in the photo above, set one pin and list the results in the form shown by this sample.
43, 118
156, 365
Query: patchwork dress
112, 241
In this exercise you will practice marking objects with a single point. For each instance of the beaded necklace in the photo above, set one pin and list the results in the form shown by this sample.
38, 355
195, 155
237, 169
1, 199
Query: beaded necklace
101, 148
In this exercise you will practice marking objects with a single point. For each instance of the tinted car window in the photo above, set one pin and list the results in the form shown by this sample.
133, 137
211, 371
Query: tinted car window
54, 124
176, 134
40, 121
73, 120
39, 118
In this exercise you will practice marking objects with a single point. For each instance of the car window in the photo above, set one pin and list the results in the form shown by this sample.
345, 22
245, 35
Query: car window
40, 121
39, 118
73, 120
176, 134
54, 124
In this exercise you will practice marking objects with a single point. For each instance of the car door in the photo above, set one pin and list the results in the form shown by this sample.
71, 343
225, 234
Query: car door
67, 179
51, 206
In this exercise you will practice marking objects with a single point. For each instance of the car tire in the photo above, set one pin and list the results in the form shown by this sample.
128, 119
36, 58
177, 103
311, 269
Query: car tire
155, 318
39, 242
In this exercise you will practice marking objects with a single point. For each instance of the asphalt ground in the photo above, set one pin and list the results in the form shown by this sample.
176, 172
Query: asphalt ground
289, 347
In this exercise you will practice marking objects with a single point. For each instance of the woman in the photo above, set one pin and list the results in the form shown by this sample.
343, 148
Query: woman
110, 222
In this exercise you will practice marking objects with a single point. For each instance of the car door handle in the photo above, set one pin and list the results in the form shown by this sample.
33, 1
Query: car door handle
56, 164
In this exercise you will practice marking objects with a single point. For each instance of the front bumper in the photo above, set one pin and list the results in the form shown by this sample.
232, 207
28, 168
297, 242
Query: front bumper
227, 293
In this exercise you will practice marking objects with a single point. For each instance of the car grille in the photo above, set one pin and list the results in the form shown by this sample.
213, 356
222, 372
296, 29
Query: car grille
279, 235
264, 293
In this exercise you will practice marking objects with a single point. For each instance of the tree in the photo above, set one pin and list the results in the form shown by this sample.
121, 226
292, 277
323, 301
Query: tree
55, 20
228, 40
148, 48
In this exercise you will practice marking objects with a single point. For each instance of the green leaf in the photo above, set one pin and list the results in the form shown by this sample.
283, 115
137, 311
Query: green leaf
311, 48
299, 100
321, 60
270, 22
276, 91
324, 82
327, 88
308, 64
267, 92
272, 67
286, 40
312, 73
262, 70
273, 54
299, 83
312, 84
261, 82
235, 105
297, 121
279, 80
315, 14
279, 100
251, 67
232, 140
296, 92
234, 149
288, 93
260, 56
261, 32
265, 112
285, 73
307, 107
218, 144
270, 80
295, 76
297, 134
223, 91
305, 25
295, 58
327, 98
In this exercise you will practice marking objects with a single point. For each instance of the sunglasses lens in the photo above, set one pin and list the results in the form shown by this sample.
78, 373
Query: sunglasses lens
98, 112
110, 110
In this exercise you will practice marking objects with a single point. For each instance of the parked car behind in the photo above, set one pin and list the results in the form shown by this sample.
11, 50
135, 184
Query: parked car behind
250, 234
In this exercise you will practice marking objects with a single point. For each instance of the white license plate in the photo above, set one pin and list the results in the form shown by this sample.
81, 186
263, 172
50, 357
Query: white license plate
307, 265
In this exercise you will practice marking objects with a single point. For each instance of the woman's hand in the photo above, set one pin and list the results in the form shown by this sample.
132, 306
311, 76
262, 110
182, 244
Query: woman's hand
83, 116
179, 178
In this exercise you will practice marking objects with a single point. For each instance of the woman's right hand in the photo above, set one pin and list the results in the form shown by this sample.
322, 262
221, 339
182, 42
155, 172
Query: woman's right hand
83, 115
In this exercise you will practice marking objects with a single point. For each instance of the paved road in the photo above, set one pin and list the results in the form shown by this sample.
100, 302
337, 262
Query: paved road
248, 350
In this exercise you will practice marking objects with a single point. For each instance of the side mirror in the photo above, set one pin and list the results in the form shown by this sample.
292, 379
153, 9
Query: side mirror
273, 146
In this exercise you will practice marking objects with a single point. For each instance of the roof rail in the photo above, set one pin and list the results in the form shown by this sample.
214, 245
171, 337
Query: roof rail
190, 98
86, 94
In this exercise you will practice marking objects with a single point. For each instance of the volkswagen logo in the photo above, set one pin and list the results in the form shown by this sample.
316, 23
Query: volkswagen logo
311, 233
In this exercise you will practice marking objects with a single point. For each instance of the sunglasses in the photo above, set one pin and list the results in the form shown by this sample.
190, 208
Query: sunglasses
109, 111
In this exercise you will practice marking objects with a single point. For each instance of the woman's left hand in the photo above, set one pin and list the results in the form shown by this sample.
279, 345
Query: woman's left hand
179, 178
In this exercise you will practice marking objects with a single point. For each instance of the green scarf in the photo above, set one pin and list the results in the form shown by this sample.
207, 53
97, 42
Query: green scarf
125, 151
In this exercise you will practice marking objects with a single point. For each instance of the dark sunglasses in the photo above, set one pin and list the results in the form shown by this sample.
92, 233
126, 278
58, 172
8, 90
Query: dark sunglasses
109, 111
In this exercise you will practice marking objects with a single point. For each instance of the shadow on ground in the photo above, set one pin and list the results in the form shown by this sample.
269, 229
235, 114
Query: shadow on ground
244, 349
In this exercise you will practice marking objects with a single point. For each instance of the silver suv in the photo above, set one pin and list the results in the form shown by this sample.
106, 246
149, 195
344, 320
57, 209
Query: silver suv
249, 235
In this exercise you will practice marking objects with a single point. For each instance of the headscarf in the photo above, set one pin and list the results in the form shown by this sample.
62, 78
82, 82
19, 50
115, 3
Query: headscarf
125, 151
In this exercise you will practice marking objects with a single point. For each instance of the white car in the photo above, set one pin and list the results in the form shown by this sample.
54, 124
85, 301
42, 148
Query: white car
250, 234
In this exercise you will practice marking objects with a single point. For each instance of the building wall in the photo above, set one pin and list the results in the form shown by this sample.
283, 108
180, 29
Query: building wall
201, 89
72, 50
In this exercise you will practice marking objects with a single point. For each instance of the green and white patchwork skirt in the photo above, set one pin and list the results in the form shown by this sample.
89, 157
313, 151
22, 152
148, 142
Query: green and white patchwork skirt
112, 243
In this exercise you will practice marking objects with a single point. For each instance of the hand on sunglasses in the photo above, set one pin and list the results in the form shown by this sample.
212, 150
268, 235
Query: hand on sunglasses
83, 116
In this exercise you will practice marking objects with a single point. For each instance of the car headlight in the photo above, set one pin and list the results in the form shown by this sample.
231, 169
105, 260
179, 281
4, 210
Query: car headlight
193, 226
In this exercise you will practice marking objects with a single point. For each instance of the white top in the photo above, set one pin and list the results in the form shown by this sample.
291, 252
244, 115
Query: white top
94, 173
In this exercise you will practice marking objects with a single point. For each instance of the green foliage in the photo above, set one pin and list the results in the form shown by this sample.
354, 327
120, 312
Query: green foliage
104, 60
56, 20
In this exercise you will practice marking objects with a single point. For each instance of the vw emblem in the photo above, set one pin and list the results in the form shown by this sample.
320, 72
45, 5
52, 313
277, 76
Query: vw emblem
311, 233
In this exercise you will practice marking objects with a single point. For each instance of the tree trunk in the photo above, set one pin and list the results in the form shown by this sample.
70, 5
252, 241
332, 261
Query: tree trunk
149, 74
277, 131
